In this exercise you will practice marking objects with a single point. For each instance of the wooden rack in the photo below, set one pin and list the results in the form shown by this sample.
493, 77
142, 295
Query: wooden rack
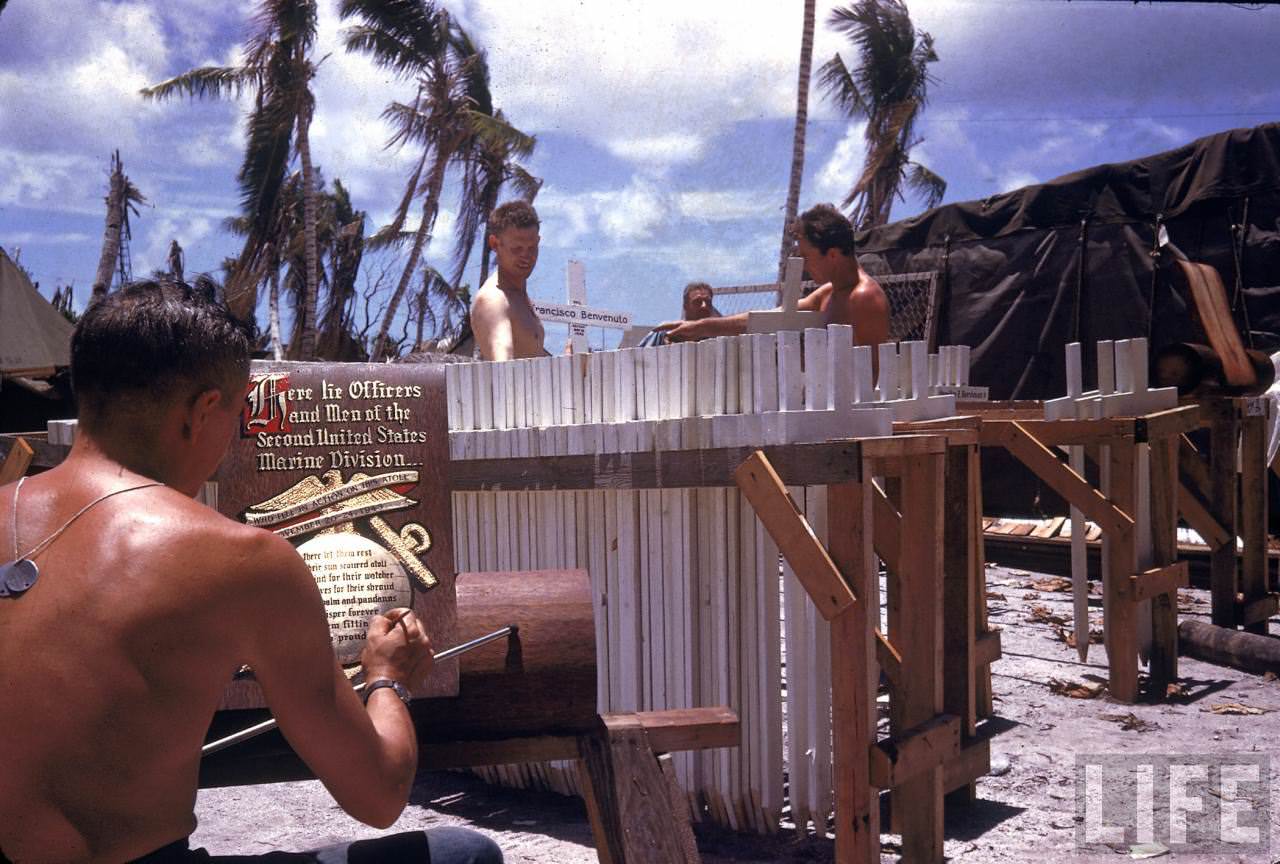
1223, 503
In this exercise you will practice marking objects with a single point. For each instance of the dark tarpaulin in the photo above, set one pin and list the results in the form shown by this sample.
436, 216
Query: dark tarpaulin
1023, 273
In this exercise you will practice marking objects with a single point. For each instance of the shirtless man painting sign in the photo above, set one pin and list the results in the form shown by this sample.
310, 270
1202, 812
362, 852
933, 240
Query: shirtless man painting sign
502, 318
136, 604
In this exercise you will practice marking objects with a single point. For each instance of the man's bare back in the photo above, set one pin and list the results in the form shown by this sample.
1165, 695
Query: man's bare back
137, 595
115, 659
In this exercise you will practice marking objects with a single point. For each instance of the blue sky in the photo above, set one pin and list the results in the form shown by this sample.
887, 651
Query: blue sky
664, 128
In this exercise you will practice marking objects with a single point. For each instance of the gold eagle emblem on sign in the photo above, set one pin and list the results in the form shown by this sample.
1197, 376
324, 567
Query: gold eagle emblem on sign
328, 504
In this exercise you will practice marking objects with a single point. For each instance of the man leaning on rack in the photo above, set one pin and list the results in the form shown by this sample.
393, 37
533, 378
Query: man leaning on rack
845, 293
125, 606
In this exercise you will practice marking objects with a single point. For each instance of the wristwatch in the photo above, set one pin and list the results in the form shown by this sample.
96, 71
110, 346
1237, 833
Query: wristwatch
400, 689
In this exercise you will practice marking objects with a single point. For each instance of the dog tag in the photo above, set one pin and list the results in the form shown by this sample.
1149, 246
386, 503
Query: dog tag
17, 577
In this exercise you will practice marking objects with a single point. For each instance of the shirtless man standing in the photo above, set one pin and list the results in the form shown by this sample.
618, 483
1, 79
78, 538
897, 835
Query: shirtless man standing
130, 605
502, 318
846, 294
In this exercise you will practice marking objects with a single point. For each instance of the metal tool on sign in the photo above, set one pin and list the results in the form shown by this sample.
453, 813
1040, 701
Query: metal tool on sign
267, 725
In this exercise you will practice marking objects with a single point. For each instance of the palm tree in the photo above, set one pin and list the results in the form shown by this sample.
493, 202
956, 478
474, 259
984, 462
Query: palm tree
797, 140
489, 168
889, 88
277, 67
122, 196
450, 116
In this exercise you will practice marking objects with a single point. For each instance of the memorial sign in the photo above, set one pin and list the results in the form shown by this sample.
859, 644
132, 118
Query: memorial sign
349, 462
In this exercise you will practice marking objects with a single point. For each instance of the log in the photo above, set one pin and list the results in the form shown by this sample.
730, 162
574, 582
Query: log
1197, 369
1249, 652
541, 686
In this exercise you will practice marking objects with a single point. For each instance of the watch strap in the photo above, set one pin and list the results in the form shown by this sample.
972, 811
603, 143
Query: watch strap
399, 689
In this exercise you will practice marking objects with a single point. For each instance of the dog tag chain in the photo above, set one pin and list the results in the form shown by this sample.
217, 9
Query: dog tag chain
17, 576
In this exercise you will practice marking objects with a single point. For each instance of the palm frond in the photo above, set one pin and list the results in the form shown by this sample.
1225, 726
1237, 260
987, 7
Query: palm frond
207, 82
402, 36
837, 83
525, 184
928, 185
495, 132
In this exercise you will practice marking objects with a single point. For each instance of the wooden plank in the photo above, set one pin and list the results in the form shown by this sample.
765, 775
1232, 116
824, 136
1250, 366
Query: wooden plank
903, 447
1192, 466
890, 660
1259, 611
1200, 519
1159, 580
1164, 526
1224, 433
685, 840
45, 455
982, 678
1049, 527
986, 649
1054, 433
1253, 513
853, 678
1168, 423
887, 526
631, 793
17, 461
1015, 438
796, 541
1215, 316
797, 464
973, 761
917, 613
958, 619
1120, 616
924, 748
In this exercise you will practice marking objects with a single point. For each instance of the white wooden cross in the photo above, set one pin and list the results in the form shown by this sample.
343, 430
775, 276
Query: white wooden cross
576, 313
789, 317
904, 383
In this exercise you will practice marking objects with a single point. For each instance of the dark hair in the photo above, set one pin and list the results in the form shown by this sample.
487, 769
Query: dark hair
154, 338
513, 214
826, 228
696, 286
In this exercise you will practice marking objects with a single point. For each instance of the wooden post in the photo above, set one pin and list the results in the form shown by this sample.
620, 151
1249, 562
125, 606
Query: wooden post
1119, 612
1253, 513
853, 676
959, 624
915, 626
982, 682
630, 800
1224, 434
1164, 524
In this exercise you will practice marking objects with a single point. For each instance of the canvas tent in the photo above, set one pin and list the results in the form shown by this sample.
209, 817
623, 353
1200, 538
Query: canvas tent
34, 337
1021, 274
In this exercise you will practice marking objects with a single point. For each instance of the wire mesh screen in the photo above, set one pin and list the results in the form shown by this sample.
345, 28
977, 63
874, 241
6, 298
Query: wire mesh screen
745, 298
912, 306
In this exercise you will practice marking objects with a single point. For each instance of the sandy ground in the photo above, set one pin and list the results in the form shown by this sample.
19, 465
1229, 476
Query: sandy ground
1027, 811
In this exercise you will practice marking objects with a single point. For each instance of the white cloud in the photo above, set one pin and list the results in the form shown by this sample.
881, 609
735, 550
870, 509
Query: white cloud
654, 81
725, 205
659, 151
843, 166
189, 229
31, 238
1013, 179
